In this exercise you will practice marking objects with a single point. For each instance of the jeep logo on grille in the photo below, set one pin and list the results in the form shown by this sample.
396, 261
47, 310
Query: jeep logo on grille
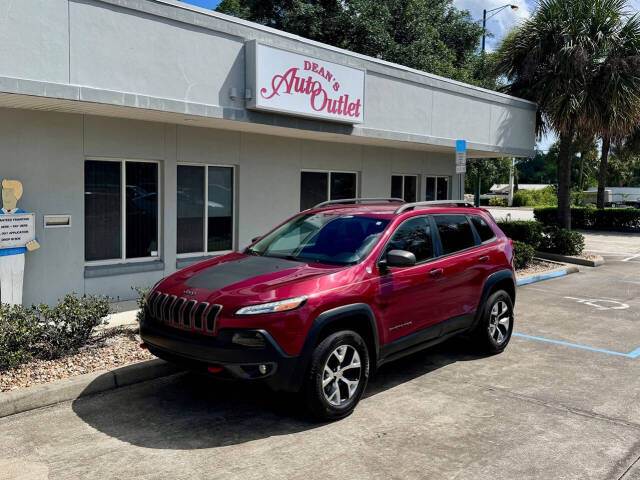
189, 292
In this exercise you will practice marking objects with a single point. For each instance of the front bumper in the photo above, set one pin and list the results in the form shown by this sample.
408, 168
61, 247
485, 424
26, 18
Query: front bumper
199, 352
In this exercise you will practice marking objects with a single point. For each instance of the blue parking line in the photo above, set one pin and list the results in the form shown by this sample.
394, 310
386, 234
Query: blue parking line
633, 354
544, 276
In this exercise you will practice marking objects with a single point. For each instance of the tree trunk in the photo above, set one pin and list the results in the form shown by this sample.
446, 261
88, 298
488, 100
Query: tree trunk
602, 174
564, 180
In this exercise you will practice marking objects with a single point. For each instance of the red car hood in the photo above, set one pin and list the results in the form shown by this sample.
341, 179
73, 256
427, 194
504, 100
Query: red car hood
244, 278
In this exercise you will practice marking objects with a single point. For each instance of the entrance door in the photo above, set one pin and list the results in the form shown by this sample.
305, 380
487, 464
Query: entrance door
436, 187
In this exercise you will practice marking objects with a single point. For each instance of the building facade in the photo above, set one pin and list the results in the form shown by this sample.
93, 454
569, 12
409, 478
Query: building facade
150, 134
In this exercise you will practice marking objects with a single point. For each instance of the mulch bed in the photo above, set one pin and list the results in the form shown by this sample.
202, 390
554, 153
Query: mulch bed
110, 349
536, 268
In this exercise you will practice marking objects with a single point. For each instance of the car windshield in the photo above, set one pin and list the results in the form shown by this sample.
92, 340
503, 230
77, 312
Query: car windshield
322, 238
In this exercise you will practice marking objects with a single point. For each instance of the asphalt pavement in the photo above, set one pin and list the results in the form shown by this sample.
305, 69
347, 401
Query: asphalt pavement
562, 402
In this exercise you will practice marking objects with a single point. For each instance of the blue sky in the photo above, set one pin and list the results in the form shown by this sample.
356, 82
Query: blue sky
498, 24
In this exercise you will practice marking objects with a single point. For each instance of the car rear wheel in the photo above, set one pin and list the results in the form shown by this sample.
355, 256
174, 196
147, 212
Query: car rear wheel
338, 375
495, 325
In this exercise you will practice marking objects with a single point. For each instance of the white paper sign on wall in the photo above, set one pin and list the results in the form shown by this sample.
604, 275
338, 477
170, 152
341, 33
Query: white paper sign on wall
16, 230
290, 83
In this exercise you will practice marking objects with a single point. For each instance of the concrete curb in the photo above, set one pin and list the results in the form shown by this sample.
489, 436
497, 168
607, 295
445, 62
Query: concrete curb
566, 259
38, 396
546, 276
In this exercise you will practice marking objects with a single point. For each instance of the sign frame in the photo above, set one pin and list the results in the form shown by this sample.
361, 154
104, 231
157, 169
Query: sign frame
27, 237
253, 89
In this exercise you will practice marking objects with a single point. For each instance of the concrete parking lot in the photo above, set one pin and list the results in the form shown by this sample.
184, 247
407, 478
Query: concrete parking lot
562, 402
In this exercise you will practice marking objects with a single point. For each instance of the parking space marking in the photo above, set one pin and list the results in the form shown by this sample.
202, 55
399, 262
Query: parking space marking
633, 354
637, 255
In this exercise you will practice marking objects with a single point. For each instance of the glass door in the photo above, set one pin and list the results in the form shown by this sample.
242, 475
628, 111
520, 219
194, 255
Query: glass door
436, 187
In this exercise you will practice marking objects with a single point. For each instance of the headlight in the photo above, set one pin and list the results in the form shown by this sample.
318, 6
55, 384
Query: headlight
272, 307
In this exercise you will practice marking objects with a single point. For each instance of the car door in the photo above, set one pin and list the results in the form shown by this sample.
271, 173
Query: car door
462, 269
408, 296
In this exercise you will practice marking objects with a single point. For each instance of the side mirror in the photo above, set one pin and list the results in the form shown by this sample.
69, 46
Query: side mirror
400, 258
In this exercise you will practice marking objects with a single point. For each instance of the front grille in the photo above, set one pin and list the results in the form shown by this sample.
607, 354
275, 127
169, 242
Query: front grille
183, 313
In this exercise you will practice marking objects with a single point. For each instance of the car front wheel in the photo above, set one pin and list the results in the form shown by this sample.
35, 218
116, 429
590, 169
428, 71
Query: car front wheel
338, 375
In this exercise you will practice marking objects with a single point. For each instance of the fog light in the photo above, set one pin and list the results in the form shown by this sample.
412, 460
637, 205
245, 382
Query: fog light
248, 339
262, 369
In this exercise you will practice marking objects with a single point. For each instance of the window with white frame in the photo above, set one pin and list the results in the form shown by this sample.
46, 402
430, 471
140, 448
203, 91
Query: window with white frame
121, 210
205, 203
318, 186
405, 187
436, 188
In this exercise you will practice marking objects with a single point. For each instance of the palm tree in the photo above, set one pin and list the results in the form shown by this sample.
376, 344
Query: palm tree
552, 58
616, 90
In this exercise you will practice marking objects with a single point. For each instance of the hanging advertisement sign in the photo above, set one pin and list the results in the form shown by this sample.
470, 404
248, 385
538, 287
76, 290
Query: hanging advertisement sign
290, 83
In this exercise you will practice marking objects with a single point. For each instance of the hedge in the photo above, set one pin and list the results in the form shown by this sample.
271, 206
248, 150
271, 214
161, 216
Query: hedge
562, 241
589, 218
40, 331
529, 232
534, 198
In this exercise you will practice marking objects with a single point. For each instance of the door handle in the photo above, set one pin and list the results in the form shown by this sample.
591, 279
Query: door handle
435, 272
484, 259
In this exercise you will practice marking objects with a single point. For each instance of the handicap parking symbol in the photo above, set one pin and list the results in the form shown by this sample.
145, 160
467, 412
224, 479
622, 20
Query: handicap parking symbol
601, 303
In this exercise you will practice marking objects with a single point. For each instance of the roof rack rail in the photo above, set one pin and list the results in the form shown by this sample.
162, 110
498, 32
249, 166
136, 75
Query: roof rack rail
452, 203
358, 200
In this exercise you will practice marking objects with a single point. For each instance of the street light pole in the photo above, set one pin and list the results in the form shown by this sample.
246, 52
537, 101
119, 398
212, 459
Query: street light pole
494, 11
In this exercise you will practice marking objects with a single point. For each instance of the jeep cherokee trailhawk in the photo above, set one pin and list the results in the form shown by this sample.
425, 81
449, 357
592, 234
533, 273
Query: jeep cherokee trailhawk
315, 305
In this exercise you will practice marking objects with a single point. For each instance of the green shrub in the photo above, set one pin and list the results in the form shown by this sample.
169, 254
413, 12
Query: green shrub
529, 232
40, 331
523, 254
497, 202
141, 301
535, 198
589, 218
562, 241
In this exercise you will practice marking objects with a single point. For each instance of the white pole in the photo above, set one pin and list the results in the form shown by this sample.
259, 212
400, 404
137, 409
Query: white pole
511, 172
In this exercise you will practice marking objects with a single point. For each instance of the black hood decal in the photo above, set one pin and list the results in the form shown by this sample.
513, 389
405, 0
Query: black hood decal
225, 274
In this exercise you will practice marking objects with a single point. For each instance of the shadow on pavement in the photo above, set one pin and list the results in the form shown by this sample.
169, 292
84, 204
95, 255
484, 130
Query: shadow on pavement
189, 411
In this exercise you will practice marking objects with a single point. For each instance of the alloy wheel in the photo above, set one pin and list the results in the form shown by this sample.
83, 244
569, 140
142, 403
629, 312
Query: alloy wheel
341, 375
499, 322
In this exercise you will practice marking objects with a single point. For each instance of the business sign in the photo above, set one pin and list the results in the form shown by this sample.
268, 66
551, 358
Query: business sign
286, 82
461, 156
16, 230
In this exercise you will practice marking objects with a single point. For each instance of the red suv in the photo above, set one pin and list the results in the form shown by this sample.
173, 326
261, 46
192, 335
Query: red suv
315, 305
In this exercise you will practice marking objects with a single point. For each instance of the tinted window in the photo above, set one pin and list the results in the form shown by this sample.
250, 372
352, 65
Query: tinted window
142, 209
190, 202
414, 236
455, 233
343, 185
102, 212
220, 209
482, 227
396, 186
410, 188
322, 238
314, 188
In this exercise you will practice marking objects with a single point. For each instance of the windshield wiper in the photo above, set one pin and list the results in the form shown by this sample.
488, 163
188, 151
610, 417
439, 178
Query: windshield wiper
255, 253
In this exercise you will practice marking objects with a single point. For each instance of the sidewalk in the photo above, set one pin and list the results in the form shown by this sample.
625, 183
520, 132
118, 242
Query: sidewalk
124, 315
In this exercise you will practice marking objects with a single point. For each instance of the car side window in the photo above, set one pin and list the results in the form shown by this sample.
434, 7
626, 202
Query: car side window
485, 232
455, 233
415, 236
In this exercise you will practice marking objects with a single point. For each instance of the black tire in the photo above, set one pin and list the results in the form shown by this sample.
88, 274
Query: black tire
314, 393
496, 340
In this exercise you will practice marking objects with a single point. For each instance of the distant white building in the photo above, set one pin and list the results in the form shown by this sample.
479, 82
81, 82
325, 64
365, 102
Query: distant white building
614, 195
503, 188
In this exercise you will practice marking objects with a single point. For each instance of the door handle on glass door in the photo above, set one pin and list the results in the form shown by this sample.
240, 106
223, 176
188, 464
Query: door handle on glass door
484, 259
436, 272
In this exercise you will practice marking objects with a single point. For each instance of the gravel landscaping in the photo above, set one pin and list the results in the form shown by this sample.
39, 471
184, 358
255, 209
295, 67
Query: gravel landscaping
536, 268
110, 349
